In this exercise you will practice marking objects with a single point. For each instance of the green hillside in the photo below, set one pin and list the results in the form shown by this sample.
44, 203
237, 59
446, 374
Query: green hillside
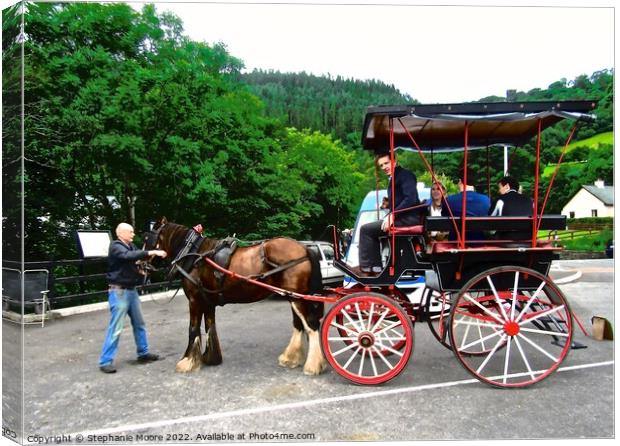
593, 142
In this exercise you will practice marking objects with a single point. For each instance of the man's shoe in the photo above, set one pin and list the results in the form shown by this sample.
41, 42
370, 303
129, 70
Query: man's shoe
149, 357
362, 272
108, 368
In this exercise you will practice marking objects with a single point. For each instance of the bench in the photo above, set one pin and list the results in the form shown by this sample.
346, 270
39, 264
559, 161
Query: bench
547, 222
445, 224
407, 230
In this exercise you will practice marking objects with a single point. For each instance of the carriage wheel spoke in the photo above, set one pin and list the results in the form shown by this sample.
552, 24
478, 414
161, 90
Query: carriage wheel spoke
538, 347
483, 308
525, 361
530, 301
361, 369
344, 349
371, 312
514, 296
355, 353
491, 353
481, 340
344, 327
372, 362
392, 339
481, 324
545, 332
374, 327
348, 316
389, 327
507, 360
382, 356
390, 349
543, 314
465, 335
360, 318
481, 337
497, 299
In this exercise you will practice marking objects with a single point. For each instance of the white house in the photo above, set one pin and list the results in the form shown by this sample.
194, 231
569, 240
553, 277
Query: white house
591, 201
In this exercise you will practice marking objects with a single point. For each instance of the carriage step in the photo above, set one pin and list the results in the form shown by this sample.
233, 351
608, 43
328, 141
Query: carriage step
573, 345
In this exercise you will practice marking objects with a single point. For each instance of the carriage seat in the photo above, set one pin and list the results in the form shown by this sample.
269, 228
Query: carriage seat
407, 230
446, 247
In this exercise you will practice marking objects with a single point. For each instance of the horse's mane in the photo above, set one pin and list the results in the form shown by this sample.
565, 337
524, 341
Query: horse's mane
176, 234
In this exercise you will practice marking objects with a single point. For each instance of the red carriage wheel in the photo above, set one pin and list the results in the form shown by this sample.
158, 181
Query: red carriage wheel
357, 331
510, 326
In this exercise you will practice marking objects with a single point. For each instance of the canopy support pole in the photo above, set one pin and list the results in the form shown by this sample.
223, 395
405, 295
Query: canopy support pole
489, 170
434, 178
464, 198
555, 172
536, 175
392, 218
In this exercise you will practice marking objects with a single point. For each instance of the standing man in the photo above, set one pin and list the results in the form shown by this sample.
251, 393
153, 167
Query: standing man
123, 276
405, 196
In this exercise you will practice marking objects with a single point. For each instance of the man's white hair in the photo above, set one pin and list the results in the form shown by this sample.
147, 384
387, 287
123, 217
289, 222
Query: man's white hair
123, 227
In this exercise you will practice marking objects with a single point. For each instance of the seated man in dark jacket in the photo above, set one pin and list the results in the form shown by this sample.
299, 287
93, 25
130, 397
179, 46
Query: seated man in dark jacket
405, 196
512, 203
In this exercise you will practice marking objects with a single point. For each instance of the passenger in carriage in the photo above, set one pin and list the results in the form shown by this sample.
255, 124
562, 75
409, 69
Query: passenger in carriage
511, 203
405, 196
435, 209
477, 205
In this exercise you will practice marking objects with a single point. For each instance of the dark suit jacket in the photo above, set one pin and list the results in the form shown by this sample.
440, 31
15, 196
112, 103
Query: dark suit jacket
405, 196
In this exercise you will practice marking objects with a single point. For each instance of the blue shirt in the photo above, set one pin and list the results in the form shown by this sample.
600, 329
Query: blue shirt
477, 204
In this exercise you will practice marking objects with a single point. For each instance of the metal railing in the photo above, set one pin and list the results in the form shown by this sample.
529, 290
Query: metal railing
82, 281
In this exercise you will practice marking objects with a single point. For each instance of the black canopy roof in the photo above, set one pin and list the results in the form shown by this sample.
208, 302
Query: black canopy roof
441, 127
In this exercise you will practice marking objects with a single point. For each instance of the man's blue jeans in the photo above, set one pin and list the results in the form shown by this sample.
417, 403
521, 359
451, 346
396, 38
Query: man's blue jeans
123, 302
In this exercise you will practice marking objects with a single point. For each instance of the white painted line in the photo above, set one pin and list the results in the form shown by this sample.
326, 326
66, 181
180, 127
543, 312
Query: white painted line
568, 279
299, 404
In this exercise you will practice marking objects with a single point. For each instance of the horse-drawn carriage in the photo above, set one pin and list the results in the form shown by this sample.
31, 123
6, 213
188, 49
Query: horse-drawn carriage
499, 312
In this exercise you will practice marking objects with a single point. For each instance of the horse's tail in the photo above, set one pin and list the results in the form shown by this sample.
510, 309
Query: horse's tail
316, 278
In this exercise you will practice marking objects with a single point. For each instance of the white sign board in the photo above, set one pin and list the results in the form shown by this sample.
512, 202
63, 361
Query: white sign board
94, 243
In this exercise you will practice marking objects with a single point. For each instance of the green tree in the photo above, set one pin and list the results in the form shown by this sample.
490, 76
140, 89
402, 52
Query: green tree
314, 183
127, 119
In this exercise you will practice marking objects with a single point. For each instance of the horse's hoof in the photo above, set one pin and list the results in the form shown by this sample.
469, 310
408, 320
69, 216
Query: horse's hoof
314, 370
211, 361
187, 365
289, 362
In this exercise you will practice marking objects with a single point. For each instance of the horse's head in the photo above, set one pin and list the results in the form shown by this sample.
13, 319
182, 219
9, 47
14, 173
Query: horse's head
154, 239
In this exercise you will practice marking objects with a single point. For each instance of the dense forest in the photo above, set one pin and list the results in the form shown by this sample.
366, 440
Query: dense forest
127, 119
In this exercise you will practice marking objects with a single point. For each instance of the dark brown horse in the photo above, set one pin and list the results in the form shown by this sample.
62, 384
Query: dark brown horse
205, 290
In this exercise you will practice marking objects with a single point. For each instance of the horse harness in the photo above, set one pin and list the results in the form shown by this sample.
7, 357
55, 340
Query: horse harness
221, 254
